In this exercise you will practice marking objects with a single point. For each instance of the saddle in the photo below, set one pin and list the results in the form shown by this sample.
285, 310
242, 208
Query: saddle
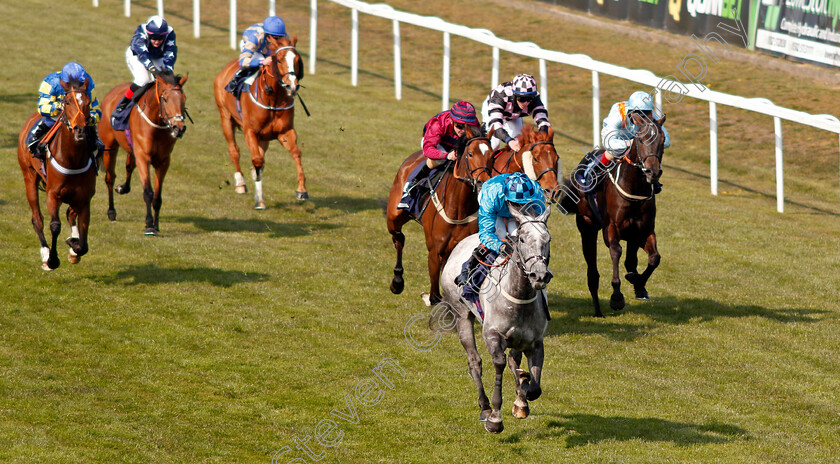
121, 123
419, 196
472, 289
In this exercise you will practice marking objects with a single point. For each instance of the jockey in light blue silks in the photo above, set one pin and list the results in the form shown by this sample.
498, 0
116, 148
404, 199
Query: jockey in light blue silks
152, 49
256, 46
498, 195
50, 104
616, 137
503, 109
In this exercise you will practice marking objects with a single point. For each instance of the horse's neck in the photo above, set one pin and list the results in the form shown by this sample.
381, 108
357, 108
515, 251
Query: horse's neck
279, 97
515, 282
459, 194
150, 105
65, 149
504, 161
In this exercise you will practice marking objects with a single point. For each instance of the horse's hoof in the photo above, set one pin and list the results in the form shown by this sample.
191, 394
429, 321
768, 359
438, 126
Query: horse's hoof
112, 215
617, 301
301, 195
240, 189
485, 414
45, 266
122, 189
632, 277
53, 263
642, 294
397, 285
150, 231
426, 298
260, 205
494, 426
520, 412
73, 258
533, 392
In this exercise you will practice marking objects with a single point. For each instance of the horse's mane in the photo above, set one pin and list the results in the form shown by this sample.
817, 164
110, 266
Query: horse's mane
470, 132
76, 84
169, 77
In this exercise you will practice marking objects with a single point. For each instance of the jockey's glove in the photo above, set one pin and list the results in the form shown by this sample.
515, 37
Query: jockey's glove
506, 249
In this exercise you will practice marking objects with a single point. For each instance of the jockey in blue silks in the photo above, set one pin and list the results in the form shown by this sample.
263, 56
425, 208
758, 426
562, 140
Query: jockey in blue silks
258, 42
616, 136
50, 104
152, 49
498, 195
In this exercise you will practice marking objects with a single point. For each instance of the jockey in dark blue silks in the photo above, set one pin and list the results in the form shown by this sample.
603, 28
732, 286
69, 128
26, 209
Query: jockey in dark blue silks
50, 104
256, 47
616, 135
152, 49
498, 195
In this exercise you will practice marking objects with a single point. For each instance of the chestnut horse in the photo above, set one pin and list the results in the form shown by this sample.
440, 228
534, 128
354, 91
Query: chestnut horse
156, 123
450, 215
538, 159
71, 175
625, 208
265, 112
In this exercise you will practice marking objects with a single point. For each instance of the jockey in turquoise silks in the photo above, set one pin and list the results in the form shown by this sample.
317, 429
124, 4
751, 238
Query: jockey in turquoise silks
257, 44
616, 136
50, 104
498, 195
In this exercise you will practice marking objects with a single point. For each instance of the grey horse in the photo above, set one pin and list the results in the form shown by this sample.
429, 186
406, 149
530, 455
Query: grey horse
515, 315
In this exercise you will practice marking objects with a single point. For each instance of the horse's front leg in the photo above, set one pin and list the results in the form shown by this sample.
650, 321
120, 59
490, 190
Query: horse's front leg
467, 337
257, 148
148, 194
160, 174
30, 180
536, 356
653, 263
613, 241
233, 150
435, 264
79, 221
496, 347
631, 263
521, 379
289, 140
55, 229
110, 162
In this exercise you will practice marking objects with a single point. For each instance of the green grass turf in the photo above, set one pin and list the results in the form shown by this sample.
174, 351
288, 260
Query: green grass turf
236, 331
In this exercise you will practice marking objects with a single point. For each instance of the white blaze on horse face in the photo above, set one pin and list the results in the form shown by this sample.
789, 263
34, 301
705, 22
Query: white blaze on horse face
483, 147
290, 67
528, 165
79, 99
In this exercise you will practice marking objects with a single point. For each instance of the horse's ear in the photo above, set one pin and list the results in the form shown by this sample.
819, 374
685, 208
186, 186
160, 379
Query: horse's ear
86, 84
637, 120
550, 133
662, 120
299, 67
294, 40
64, 85
183, 79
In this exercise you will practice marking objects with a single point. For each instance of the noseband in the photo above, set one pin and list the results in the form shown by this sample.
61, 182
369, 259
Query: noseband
71, 124
539, 257
471, 178
546, 170
640, 161
291, 71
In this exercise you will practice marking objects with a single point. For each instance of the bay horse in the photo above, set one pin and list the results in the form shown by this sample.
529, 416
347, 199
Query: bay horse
265, 112
450, 215
514, 316
71, 175
625, 209
155, 124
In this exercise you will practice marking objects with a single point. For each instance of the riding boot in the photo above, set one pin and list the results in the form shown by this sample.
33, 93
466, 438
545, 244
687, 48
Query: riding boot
33, 140
95, 145
238, 77
124, 102
586, 178
409, 186
469, 269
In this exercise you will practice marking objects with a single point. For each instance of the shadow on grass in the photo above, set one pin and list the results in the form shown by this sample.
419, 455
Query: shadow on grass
272, 228
583, 429
575, 315
347, 205
153, 274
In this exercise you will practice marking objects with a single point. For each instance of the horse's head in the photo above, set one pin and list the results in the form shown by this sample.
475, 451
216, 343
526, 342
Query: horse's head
540, 161
172, 101
474, 156
286, 65
648, 145
76, 107
532, 242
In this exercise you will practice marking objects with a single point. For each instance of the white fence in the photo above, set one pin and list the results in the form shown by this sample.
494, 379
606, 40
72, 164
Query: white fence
760, 105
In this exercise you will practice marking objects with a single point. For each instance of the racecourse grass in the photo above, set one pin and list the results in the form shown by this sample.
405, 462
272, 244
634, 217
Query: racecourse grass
235, 330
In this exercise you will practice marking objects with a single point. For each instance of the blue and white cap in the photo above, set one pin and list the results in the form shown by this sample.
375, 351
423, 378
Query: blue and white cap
156, 26
273, 25
640, 101
520, 189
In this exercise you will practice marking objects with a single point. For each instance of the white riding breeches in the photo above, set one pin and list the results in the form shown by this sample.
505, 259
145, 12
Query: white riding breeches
142, 76
513, 126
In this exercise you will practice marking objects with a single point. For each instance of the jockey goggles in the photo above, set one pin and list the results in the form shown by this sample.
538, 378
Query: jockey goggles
157, 36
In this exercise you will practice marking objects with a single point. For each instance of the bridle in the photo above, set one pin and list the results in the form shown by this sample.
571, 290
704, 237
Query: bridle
268, 70
471, 177
71, 122
169, 121
546, 170
538, 256
640, 161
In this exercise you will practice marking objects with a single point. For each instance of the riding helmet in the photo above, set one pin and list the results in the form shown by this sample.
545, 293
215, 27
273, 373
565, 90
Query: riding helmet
156, 26
73, 70
521, 189
640, 101
464, 112
273, 25
524, 84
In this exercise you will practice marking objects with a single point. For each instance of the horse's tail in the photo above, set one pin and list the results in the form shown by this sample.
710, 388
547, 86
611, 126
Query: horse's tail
568, 197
